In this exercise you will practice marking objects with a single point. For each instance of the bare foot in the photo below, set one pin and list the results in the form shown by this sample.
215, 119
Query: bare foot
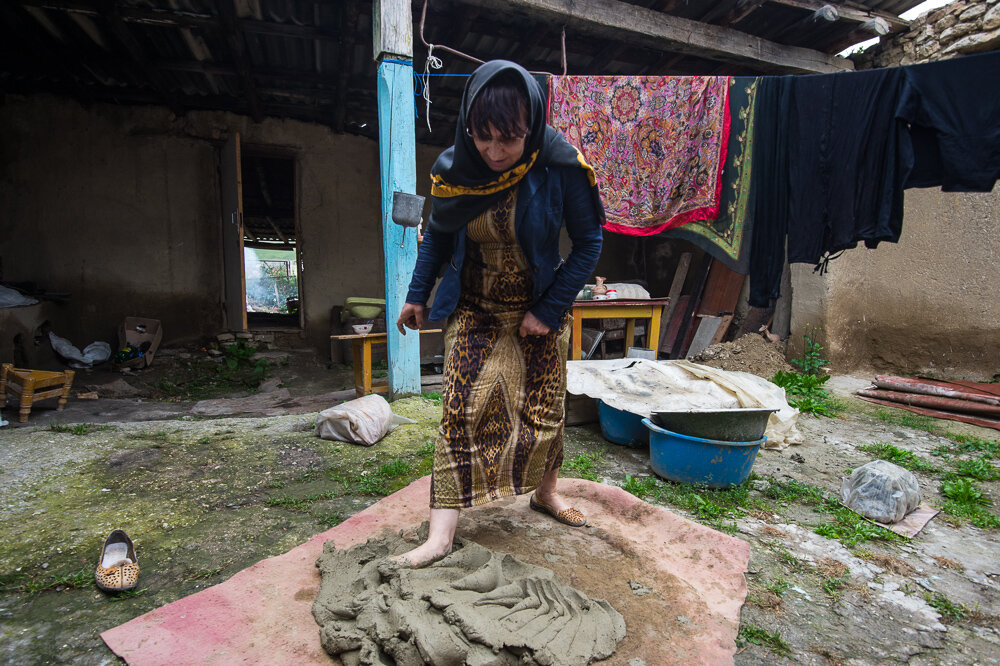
424, 555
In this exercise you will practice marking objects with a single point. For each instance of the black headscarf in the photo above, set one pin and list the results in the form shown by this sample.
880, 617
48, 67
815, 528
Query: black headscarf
463, 186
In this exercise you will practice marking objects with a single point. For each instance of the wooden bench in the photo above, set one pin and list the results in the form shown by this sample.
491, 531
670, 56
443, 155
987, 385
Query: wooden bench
29, 385
362, 345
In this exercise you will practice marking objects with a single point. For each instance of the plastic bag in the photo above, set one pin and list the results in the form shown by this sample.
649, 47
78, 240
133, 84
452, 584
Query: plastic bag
95, 352
881, 491
361, 421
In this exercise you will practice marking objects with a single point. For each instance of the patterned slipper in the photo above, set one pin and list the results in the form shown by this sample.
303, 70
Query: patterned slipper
118, 568
571, 516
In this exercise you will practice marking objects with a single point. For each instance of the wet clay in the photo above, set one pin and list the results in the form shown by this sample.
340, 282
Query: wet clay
475, 606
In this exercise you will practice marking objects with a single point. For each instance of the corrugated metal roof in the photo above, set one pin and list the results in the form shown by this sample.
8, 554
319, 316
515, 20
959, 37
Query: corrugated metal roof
312, 59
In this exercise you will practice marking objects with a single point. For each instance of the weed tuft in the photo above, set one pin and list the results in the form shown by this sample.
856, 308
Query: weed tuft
898, 456
751, 633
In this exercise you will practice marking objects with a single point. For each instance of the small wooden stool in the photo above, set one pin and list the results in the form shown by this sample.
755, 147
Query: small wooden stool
363, 382
27, 384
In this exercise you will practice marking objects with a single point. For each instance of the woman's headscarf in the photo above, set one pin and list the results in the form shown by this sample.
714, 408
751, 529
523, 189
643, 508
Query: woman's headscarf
463, 186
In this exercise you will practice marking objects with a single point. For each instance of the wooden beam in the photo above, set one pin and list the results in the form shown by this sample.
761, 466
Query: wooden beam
743, 9
392, 41
849, 13
619, 20
345, 61
182, 19
124, 35
237, 48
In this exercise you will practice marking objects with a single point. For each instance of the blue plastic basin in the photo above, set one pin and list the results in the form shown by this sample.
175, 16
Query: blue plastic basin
621, 427
710, 462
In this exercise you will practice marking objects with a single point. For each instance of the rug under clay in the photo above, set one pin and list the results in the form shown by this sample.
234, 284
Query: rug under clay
476, 606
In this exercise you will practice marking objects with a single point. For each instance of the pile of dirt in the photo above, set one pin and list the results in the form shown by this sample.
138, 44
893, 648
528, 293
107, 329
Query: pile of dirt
751, 353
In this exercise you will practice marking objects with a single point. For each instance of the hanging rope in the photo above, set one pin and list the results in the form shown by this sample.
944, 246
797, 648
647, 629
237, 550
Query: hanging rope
436, 63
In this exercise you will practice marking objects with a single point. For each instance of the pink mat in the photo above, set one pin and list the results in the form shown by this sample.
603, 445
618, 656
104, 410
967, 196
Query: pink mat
678, 584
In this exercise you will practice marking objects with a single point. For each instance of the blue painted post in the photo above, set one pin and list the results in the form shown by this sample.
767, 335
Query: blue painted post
397, 154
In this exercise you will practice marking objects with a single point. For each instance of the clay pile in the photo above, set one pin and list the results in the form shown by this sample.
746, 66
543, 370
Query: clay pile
476, 606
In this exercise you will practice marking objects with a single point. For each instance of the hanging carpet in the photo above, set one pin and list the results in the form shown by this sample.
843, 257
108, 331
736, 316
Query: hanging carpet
727, 235
656, 143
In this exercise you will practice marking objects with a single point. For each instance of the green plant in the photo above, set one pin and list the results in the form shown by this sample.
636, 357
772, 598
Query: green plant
899, 456
850, 528
640, 487
963, 491
943, 605
78, 428
806, 393
977, 468
790, 490
779, 586
833, 585
583, 466
799, 384
812, 360
433, 397
751, 633
814, 406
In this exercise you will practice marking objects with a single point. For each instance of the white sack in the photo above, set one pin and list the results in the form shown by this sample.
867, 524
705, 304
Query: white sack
11, 298
95, 352
642, 387
361, 421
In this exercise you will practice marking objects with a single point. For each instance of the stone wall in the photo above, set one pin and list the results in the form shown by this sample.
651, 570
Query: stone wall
959, 28
927, 304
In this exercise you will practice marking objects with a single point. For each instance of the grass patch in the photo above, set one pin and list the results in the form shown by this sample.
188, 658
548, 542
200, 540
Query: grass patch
585, 466
751, 633
943, 605
977, 468
434, 397
850, 528
27, 584
79, 428
790, 490
899, 456
907, 419
778, 586
966, 501
987, 448
805, 392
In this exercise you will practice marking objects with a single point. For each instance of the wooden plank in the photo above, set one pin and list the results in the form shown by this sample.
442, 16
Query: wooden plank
680, 344
397, 156
392, 29
680, 274
723, 327
613, 19
232, 235
707, 327
722, 291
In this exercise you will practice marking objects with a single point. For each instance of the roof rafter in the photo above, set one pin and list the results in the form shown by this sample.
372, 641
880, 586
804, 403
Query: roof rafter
615, 19
849, 13
238, 48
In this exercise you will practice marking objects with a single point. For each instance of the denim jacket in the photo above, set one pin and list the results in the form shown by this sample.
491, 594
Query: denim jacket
547, 197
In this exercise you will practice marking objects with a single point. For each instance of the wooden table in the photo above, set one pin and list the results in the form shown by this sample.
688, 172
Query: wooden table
362, 345
619, 308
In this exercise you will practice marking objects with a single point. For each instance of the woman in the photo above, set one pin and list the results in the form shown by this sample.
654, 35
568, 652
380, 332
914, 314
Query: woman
500, 196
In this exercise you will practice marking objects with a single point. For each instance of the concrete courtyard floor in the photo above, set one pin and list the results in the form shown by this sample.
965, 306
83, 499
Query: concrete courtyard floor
204, 498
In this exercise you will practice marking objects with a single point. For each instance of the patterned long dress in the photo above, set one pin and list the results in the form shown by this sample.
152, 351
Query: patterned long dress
503, 395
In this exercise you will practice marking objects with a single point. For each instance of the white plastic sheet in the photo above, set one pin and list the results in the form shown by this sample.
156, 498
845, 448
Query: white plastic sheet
12, 298
95, 352
364, 420
643, 387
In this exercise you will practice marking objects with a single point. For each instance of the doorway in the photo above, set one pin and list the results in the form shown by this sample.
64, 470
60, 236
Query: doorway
261, 250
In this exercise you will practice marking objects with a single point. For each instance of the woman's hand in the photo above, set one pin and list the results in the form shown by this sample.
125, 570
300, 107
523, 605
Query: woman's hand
531, 326
411, 316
